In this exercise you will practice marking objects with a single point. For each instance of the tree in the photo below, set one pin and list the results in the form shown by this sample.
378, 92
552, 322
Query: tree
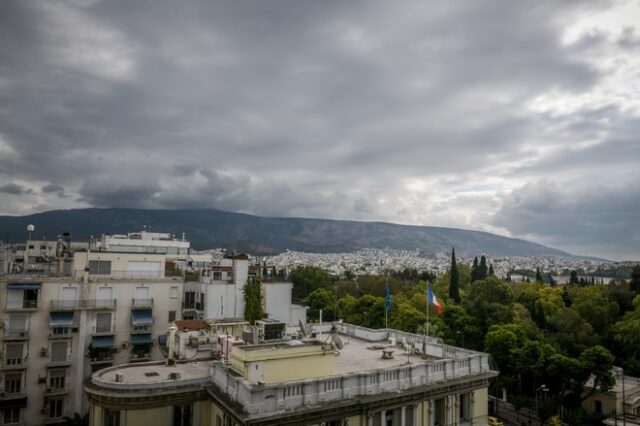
538, 276
461, 328
483, 271
454, 279
474, 270
491, 271
306, 279
324, 299
597, 362
405, 316
635, 279
490, 301
253, 301
573, 279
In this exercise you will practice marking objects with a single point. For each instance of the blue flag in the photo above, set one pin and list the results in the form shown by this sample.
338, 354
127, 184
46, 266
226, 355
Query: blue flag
387, 293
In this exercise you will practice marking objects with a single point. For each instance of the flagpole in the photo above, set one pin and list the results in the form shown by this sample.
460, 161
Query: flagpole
427, 324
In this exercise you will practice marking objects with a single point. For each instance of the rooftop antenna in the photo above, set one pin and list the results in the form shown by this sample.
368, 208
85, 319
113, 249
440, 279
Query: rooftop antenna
303, 332
30, 229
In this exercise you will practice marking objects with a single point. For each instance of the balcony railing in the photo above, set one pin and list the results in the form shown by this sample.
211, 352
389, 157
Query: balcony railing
22, 304
104, 330
15, 362
197, 306
147, 328
83, 304
142, 303
58, 332
139, 356
16, 334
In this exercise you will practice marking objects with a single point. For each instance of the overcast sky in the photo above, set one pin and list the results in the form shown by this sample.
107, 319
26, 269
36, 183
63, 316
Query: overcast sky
515, 117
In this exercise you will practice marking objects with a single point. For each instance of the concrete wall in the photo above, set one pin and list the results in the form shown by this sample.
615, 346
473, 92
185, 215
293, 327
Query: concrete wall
120, 264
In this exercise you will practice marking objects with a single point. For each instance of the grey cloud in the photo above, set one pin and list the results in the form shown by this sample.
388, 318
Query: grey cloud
294, 108
53, 188
15, 189
593, 219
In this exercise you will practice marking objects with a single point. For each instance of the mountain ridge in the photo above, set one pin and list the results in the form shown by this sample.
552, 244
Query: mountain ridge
209, 228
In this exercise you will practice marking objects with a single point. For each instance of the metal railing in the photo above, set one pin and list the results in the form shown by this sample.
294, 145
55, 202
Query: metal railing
22, 304
147, 328
83, 304
141, 303
22, 334
193, 305
105, 329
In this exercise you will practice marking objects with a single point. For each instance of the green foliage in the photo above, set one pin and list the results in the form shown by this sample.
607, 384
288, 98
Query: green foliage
538, 275
574, 278
306, 279
490, 301
483, 270
454, 279
324, 299
635, 279
253, 301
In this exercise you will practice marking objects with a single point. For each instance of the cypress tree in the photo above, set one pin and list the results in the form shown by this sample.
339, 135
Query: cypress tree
491, 271
454, 284
574, 278
483, 271
538, 276
253, 301
474, 269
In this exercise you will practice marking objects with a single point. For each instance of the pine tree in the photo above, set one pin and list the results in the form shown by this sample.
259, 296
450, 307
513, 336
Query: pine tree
474, 269
538, 276
454, 284
491, 271
635, 279
483, 271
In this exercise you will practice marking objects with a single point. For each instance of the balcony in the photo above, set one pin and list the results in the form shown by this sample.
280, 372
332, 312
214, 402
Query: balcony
139, 356
105, 330
60, 332
53, 391
4, 395
15, 363
65, 305
192, 306
22, 305
141, 303
16, 335
69, 305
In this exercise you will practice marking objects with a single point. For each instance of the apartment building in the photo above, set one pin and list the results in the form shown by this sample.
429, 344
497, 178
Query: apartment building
219, 293
346, 375
69, 309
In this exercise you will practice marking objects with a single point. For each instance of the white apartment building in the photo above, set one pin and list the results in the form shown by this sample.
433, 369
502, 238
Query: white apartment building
55, 331
145, 242
220, 294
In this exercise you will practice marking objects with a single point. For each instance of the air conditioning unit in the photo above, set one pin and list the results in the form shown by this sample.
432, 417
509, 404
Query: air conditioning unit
23, 334
42, 379
125, 345
44, 352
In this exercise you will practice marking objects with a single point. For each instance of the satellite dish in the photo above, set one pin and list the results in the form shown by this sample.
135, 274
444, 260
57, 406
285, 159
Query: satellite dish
337, 341
31, 228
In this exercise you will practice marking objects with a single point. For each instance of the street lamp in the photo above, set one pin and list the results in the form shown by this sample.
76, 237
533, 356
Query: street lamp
542, 388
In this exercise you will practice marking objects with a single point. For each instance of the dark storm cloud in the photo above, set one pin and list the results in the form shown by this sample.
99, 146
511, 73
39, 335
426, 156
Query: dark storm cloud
15, 189
336, 109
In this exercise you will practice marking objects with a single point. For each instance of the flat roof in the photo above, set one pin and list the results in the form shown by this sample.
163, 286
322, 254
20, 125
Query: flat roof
152, 373
360, 355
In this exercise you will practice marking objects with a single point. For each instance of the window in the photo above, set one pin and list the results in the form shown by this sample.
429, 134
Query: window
465, 406
60, 331
103, 322
438, 413
55, 407
182, 415
14, 353
172, 316
13, 383
11, 416
56, 379
598, 406
17, 323
99, 267
30, 300
59, 352
218, 420
110, 417
173, 293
